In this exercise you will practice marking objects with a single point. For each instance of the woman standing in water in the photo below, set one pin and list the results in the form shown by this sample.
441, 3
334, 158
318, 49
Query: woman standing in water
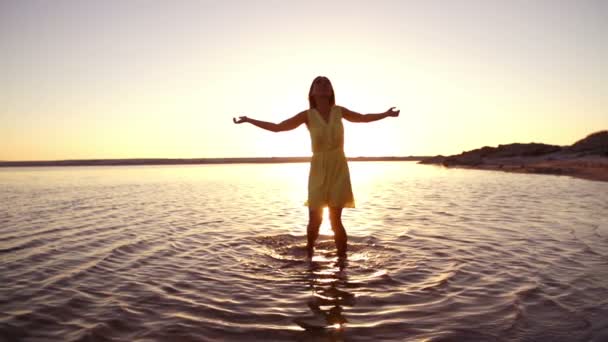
329, 179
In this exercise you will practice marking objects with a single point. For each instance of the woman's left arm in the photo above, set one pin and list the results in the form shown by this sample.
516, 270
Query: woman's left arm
356, 117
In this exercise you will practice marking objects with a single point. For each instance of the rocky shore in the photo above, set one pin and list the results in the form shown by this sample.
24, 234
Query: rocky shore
586, 158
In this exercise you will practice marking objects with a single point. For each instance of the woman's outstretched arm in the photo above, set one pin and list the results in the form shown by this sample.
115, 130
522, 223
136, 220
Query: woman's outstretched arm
285, 125
356, 117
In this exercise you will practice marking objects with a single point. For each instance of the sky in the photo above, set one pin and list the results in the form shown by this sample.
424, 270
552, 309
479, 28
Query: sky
163, 79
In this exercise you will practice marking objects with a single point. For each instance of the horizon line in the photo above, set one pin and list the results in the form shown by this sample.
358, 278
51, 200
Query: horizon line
189, 161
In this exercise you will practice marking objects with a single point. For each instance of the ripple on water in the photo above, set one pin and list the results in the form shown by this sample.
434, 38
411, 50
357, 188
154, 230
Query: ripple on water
199, 253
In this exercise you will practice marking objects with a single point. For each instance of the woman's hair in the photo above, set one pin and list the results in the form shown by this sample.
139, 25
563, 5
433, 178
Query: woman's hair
311, 100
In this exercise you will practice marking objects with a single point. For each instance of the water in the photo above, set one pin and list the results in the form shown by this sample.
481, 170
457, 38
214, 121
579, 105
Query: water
217, 252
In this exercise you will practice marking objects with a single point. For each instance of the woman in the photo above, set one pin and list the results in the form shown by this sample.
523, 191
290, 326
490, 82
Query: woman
329, 179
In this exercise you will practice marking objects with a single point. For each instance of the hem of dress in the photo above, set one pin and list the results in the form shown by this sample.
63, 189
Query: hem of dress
349, 205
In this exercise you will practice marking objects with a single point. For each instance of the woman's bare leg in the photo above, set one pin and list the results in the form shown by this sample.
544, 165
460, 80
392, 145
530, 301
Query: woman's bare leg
315, 217
335, 217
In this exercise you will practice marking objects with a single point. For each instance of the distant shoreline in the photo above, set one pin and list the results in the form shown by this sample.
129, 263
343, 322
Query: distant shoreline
586, 158
588, 167
181, 161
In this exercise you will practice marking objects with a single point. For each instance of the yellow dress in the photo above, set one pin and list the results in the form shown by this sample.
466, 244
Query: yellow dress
329, 178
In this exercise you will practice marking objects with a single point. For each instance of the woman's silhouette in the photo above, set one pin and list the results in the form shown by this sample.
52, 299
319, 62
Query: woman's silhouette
329, 178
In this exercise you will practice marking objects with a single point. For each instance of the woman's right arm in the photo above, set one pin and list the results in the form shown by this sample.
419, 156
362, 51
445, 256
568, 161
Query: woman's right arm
285, 125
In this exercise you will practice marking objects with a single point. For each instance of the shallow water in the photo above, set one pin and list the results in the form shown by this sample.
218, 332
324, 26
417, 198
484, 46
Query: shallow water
218, 252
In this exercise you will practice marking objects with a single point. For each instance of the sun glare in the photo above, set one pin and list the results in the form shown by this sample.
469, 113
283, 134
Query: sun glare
325, 228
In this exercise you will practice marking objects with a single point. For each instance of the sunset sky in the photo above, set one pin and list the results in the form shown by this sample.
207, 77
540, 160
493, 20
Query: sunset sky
146, 79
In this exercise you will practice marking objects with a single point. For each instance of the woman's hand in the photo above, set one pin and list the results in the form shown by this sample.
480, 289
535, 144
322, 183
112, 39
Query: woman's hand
240, 120
392, 112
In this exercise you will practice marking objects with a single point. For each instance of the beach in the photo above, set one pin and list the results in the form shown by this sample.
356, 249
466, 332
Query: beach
586, 158
592, 168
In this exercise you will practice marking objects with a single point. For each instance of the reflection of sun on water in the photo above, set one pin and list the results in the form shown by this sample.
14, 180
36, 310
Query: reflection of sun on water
291, 180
